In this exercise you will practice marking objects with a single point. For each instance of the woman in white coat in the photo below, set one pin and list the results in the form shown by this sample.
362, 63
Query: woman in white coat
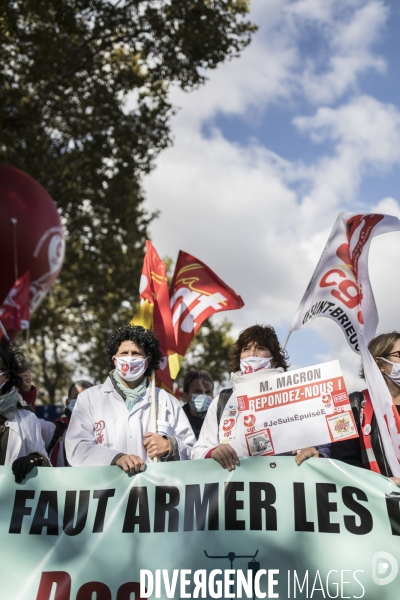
256, 349
21, 442
111, 422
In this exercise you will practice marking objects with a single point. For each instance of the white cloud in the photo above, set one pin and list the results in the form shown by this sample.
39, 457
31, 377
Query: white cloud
347, 32
366, 138
280, 65
260, 221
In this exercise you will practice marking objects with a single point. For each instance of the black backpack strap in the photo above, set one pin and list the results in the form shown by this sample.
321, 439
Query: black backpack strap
223, 398
58, 433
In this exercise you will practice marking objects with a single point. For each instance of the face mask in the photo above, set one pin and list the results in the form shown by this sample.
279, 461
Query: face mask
130, 368
71, 404
395, 373
252, 364
200, 402
8, 404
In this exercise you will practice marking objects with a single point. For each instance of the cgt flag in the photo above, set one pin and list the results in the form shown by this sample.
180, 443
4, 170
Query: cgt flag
196, 293
340, 288
155, 313
14, 312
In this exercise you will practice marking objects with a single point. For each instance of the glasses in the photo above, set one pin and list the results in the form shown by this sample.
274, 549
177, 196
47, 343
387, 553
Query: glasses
396, 353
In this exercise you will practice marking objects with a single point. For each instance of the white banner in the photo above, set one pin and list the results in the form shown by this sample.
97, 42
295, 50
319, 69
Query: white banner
340, 288
296, 409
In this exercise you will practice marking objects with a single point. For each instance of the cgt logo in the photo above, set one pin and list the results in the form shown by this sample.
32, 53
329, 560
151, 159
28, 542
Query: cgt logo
249, 420
384, 568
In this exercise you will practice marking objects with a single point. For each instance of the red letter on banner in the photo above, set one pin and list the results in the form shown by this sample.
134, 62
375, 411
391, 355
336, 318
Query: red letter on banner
62, 581
126, 589
101, 589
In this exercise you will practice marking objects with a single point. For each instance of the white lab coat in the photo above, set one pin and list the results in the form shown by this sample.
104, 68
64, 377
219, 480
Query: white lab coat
101, 426
212, 436
25, 436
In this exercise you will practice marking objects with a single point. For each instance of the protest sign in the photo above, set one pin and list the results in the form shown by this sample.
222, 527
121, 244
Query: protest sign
296, 409
320, 530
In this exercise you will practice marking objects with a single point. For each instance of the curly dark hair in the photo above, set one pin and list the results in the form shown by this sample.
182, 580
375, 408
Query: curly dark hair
13, 363
263, 335
194, 374
145, 339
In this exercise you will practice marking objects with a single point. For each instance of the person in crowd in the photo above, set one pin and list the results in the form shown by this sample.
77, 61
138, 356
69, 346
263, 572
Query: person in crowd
198, 386
27, 390
21, 442
111, 422
54, 432
257, 348
367, 449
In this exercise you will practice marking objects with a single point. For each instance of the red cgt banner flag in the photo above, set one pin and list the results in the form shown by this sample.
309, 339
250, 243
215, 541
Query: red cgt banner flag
155, 312
14, 312
196, 293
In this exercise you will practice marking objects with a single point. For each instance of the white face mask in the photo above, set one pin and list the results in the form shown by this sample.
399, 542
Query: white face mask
395, 372
130, 368
252, 364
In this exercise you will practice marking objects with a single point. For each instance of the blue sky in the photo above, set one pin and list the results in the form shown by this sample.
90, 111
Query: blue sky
304, 125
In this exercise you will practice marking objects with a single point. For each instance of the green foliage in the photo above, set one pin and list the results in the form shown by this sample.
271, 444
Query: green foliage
209, 350
69, 70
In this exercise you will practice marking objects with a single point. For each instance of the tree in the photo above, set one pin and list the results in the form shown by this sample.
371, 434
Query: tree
209, 350
67, 71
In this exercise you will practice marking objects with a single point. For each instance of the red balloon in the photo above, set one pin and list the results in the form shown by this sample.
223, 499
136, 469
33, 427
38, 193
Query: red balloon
39, 234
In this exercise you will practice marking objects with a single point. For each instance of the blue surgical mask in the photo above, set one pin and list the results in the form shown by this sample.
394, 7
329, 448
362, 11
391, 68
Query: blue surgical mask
200, 403
71, 404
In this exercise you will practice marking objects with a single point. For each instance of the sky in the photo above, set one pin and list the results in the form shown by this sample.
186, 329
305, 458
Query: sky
303, 125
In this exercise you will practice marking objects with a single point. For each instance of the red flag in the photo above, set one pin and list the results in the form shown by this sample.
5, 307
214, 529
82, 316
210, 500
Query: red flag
196, 293
14, 312
155, 312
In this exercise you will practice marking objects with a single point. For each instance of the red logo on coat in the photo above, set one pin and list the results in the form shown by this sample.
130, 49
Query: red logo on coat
99, 428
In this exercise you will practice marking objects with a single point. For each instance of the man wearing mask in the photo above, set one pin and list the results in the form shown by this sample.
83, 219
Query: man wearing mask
197, 394
256, 349
54, 432
111, 422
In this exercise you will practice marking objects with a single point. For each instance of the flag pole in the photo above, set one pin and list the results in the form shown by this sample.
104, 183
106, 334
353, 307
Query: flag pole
14, 222
287, 339
153, 406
